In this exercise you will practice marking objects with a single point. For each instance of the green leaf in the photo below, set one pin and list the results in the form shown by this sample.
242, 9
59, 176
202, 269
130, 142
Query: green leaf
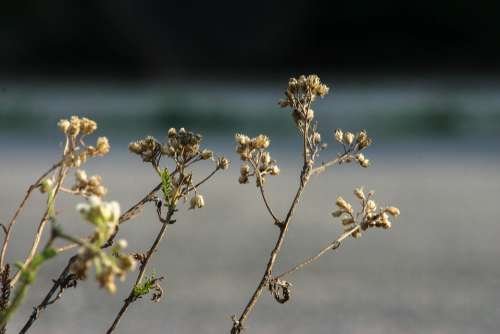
166, 187
144, 288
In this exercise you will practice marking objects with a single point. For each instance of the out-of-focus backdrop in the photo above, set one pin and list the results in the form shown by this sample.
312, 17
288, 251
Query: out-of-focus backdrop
421, 77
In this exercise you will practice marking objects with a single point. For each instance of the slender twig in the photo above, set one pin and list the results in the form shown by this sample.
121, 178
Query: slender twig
266, 202
41, 226
12, 222
142, 271
331, 246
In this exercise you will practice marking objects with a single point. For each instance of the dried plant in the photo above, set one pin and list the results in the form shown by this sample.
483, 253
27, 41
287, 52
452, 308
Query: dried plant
182, 148
172, 162
300, 95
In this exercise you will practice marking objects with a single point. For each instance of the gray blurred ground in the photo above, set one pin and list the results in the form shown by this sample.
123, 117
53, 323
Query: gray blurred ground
436, 271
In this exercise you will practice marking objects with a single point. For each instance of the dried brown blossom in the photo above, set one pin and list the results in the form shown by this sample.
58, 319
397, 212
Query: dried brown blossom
258, 161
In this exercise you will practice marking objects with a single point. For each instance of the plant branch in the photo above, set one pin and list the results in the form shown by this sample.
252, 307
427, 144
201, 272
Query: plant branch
41, 226
238, 324
12, 222
142, 271
62, 281
331, 246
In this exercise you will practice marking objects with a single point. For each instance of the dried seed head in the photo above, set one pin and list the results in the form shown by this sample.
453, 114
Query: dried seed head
275, 170
359, 193
197, 202
243, 179
244, 169
206, 154
135, 147
343, 204
316, 138
371, 206
87, 126
349, 138
339, 135
261, 141
64, 125
265, 158
102, 146
393, 211
74, 128
241, 139
172, 133
223, 163
365, 163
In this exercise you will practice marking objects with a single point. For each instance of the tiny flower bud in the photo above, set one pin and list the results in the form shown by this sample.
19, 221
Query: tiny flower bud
46, 186
122, 243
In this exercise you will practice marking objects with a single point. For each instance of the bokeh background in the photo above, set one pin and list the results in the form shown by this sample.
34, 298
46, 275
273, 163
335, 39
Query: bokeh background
421, 77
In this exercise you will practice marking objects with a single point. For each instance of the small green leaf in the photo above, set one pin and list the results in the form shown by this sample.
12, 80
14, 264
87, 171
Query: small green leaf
144, 288
166, 187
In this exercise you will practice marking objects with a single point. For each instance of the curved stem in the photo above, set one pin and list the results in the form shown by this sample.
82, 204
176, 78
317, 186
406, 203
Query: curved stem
264, 198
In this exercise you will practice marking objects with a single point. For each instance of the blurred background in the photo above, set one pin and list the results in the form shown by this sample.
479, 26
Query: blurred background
423, 79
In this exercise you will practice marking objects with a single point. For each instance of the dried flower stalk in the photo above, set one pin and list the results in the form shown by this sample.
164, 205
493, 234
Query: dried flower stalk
300, 95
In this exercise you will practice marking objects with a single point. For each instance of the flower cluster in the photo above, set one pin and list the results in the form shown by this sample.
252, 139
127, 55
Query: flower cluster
104, 216
369, 216
149, 149
253, 151
76, 129
184, 145
88, 186
354, 143
300, 94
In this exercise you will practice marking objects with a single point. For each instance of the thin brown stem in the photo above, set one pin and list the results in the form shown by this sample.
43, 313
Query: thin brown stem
325, 165
12, 222
142, 271
331, 246
238, 325
41, 226
266, 202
